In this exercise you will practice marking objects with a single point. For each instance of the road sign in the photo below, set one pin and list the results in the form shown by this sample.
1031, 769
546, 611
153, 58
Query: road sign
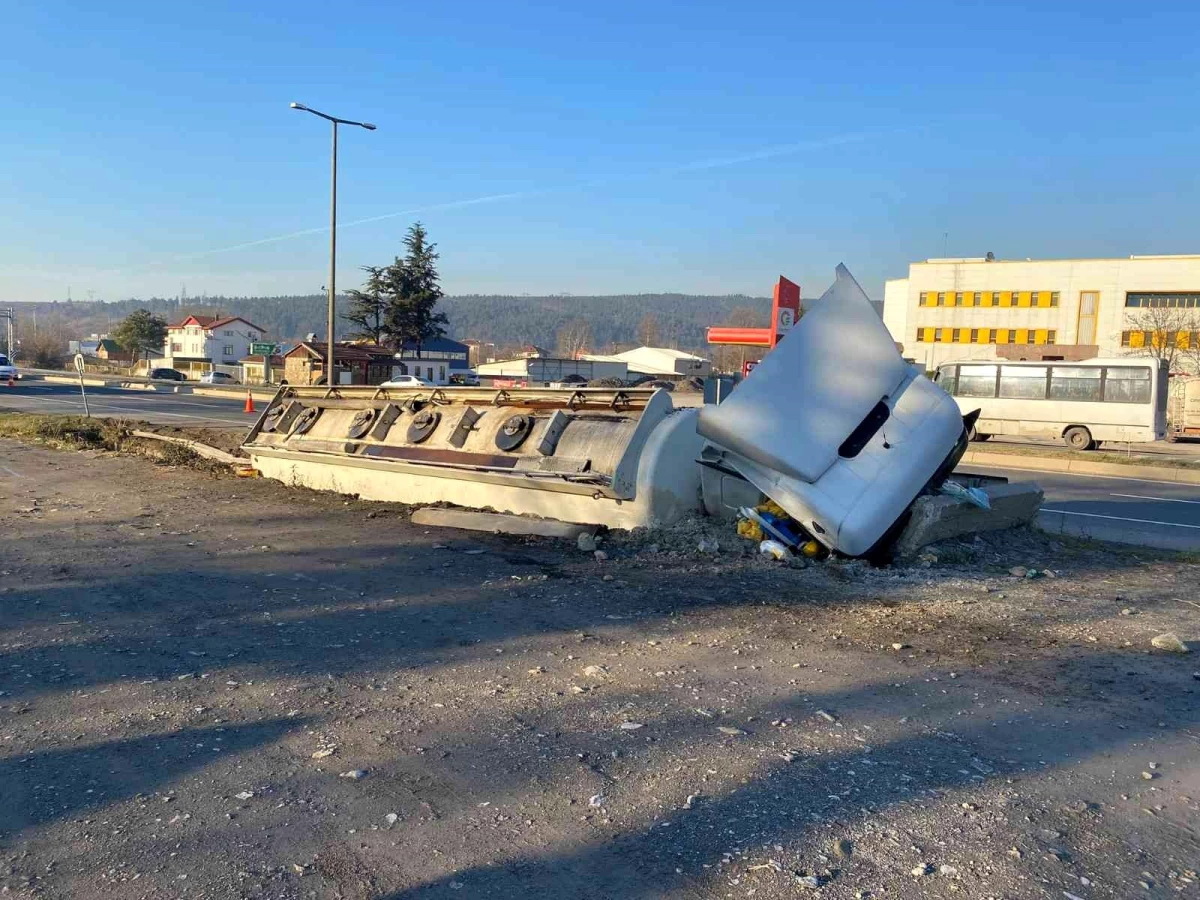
79, 367
264, 349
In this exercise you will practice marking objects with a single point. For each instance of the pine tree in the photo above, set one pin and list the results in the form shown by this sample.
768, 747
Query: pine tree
414, 292
141, 332
368, 307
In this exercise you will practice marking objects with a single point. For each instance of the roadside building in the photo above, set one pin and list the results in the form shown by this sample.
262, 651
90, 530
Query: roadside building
435, 360
355, 363
198, 344
661, 362
540, 371
256, 371
110, 351
986, 308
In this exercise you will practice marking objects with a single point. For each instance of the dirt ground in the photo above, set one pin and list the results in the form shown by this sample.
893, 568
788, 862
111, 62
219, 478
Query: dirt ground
223, 688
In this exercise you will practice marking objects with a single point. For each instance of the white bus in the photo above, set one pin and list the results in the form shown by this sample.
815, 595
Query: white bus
1082, 403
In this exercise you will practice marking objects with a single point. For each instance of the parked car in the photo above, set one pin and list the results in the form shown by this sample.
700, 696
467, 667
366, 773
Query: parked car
167, 375
406, 381
217, 378
7, 369
465, 379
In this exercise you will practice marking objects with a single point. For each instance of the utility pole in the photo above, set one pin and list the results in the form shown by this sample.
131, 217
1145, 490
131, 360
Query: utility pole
330, 372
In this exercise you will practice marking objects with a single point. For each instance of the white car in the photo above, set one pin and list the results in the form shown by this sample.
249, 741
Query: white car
407, 381
7, 369
217, 378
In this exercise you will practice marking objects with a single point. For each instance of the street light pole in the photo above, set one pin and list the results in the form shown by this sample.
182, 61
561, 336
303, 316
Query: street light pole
330, 372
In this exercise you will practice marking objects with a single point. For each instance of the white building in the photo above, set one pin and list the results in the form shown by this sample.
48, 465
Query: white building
1066, 308
665, 363
538, 371
199, 343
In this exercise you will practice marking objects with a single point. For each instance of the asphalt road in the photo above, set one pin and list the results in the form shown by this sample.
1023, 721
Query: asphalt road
1160, 514
150, 406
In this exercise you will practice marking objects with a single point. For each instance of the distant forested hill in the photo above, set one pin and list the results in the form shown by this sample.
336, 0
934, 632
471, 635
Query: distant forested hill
508, 321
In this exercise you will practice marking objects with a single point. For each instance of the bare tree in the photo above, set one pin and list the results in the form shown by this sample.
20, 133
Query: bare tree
648, 330
574, 338
1165, 333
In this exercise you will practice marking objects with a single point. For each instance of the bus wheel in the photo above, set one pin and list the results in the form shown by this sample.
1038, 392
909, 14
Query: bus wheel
1078, 438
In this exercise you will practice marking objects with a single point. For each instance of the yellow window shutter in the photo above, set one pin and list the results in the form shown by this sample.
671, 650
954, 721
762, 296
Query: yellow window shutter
1022, 298
986, 299
1182, 340
1039, 336
1001, 335
1137, 339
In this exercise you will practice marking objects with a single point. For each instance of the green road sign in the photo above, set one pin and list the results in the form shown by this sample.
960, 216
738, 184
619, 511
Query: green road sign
262, 349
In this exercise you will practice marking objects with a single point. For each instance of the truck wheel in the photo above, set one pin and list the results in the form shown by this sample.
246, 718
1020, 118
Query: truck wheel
1078, 438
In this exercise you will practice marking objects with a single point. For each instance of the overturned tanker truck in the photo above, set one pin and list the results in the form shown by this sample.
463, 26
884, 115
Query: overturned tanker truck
833, 425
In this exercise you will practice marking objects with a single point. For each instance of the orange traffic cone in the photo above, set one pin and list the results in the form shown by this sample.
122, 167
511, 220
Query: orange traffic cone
249, 402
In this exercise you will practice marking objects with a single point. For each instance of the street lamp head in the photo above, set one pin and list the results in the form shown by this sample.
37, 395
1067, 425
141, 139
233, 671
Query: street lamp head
299, 106
367, 125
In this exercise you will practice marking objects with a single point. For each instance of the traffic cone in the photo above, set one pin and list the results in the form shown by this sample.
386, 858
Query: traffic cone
249, 402
11, 382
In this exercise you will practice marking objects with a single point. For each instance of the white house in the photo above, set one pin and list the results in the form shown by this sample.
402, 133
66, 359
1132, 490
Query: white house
199, 343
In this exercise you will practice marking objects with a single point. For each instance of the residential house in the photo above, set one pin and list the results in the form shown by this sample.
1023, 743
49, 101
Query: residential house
200, 343
355, 363
110, 350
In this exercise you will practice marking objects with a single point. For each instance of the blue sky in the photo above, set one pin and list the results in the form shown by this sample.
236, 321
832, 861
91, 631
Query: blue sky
627, 147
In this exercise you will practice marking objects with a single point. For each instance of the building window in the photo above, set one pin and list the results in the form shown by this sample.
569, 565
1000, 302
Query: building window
921, 299
1051, 336
975, 333
1160, 299
937, 335
977, 298
958, 299
228, 333
1054, 298
941, 300
176, 348
227, 350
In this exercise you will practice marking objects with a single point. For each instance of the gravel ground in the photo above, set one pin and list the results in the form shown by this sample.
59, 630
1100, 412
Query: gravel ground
218, 687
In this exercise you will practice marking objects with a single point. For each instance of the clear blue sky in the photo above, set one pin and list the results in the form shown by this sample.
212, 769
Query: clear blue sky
649, 146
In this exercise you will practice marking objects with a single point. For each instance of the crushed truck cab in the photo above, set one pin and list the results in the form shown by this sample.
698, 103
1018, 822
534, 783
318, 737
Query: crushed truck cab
835, 427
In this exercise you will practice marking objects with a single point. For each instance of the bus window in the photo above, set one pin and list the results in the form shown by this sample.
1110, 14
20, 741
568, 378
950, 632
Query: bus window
945, 379
976, 381
1023, 382
1127, 384
1075, 383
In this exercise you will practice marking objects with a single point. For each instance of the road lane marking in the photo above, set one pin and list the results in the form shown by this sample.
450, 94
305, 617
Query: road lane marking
1065, 512
1056, 474
101, 407
1159, 499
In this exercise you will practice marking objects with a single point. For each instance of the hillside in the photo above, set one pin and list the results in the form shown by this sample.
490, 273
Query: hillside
507, 321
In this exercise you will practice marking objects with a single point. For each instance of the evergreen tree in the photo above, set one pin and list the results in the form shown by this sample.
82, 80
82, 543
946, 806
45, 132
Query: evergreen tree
141, 332
413, 289
368, 307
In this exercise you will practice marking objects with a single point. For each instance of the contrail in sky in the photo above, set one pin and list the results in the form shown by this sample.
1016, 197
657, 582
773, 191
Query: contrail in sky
698, 166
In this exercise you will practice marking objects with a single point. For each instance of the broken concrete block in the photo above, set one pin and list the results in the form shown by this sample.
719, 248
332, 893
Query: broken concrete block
938, 518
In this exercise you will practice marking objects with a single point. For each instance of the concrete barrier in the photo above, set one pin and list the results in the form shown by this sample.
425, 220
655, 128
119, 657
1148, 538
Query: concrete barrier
1082, 467
938, 518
